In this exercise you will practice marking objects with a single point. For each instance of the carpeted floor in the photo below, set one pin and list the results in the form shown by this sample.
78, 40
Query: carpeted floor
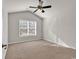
39, 50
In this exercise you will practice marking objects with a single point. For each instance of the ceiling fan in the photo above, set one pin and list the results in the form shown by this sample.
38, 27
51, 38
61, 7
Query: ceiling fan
40, 7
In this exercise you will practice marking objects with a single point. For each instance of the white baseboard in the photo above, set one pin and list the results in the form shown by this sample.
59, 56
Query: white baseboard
22, 41
60, 42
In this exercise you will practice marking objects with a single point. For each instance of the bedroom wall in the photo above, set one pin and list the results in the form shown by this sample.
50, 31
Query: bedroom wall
13, 26
60, 25
5, 24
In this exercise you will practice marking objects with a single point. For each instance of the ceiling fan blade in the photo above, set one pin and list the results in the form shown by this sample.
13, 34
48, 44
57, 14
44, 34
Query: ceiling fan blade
35, 10
49, 6
32, 7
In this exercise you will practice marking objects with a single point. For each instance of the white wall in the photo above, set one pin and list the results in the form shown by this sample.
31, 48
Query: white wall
5, 25
13, 26
61, 23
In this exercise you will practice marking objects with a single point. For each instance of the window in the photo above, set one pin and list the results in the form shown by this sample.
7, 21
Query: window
27, 28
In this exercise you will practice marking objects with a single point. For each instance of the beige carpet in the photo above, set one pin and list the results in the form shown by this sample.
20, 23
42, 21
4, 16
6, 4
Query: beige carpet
39, 50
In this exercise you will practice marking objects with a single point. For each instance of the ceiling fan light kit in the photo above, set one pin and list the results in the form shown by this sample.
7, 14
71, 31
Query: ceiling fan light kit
40, 7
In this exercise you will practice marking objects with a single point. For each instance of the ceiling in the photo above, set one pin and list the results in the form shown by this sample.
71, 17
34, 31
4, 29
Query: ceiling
21, 5
12, 5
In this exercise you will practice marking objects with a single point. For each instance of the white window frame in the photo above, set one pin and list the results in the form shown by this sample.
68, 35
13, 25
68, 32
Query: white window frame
25, 25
